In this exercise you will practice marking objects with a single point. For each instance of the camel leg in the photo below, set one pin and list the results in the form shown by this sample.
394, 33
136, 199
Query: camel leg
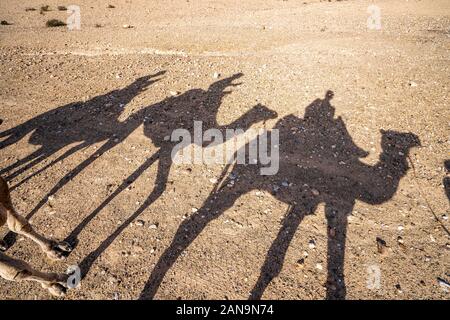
275, 257
18, 270
336, 216
18, 224
3, 245
62, 182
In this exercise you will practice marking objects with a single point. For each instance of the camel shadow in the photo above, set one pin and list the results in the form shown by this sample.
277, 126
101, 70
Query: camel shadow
161, 120
318, 163
81, 123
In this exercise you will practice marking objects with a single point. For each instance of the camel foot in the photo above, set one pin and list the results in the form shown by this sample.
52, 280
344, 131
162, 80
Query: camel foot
57, 290
3, 245
58, 250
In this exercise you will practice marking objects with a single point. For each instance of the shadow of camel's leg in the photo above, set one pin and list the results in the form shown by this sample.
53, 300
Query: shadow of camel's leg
19, 225
275, 257
12, 136
337, 231
72, 238
65, 155
10, 238
18, 270
34, 157
28, 166
164, 164
185, 235
72, 174
446, 183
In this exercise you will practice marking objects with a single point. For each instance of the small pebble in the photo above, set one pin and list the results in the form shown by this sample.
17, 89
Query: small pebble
381, 246
140, 223
332, 232
301, 263
443, 284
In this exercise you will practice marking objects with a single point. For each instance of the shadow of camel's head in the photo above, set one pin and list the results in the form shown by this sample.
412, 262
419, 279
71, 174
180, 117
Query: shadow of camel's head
399, 141
143, 82
219, 86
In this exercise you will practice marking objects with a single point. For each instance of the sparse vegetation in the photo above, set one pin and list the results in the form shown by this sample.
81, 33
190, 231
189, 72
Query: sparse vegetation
62, 8
45, 8
54, 23
4, 23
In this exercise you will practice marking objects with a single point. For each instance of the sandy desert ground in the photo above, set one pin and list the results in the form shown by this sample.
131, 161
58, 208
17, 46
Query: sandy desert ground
91, 109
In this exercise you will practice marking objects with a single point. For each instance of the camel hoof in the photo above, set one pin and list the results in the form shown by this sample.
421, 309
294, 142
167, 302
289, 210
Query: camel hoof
64, 246
59, 250
3, 245
57, 290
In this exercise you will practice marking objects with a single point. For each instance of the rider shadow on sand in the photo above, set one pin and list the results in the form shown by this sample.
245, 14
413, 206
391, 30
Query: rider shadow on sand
81, 123
318, 163
161, 120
